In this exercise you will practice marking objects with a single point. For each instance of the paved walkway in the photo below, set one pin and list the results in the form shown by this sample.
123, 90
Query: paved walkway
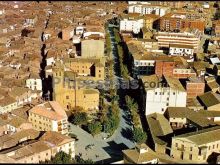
96, 153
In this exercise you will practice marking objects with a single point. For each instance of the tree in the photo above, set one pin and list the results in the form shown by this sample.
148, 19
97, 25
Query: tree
79, 118
62, 158
95, 128
139, 136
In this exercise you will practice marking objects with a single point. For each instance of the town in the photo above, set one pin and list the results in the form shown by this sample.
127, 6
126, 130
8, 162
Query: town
110, 82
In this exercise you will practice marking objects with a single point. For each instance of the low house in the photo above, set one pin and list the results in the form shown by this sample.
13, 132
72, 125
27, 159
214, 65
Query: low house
141, 154
159, 127
210, 100
183, 117
34, 82
211, 84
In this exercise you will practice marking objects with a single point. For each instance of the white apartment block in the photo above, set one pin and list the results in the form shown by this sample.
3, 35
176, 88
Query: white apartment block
162, 96
165, 39
147, 9
131, 25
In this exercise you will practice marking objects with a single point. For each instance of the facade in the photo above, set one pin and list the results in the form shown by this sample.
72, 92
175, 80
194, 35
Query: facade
180, 21
147, 9
87, 67
92, 48
71, 95
131, 25
34, 82
196, 146
190, 39
164, 68
163, 95
195, 87
181, 50
49, 116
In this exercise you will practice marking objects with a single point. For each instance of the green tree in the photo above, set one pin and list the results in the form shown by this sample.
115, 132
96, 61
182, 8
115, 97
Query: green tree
139, 136
95, 128
62, 158
79, 118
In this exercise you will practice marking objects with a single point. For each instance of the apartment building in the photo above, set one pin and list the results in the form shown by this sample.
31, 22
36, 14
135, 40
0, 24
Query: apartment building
164, 67
195, 86
69, 94
131, 23
180, 21
49, 116
196, 146
148, 9
162, 94
40, 150
185, 38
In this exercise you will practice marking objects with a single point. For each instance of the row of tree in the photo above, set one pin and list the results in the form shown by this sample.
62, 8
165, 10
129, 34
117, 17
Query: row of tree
64, 158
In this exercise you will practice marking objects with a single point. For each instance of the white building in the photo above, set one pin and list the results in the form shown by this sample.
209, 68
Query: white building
160, 95
181, 50
147, 9
131, 24
34, 82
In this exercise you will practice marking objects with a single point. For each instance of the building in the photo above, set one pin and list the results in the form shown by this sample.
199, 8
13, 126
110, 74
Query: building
216, 28
34, 82
92, 48
160, 130
187, 38
164, 67
180, 117
71, 95
181, 21
40, 150
196, 146
216, 69
181, 50
211, 84
141, 154
162, 94
93, 68
49, 116
67, 33
210, 100
131, 23
147, 9
195, 87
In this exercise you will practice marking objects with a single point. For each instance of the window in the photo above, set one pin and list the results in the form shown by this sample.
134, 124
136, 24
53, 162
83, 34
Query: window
176, 144
155, 93
67, 97
167, 104
191, 148
162, 109
190, 156
173, 93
